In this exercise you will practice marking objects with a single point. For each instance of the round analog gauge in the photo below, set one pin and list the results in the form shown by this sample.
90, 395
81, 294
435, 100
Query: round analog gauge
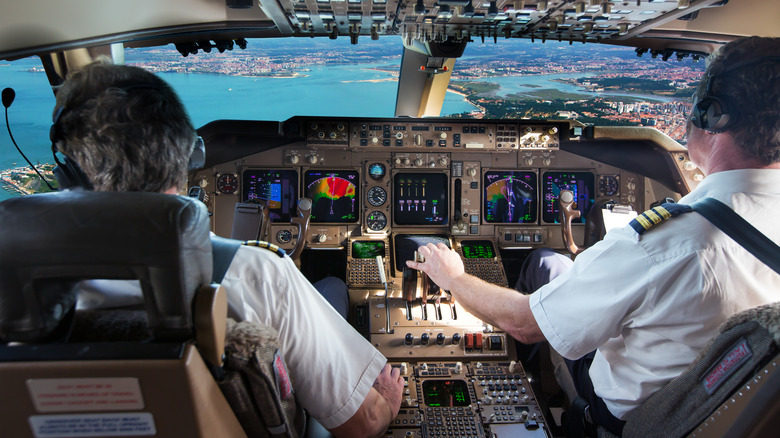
377, 170
227, 183
376, 221
377, 196
284, 236
608, 185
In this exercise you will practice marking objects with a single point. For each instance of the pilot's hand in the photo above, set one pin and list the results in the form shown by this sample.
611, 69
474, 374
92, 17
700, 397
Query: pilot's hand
390, 385
443, 265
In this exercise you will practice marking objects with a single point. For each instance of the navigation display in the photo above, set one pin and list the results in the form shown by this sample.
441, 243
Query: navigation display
510, 197
407, 244
420, 199
368, 249
477, 249
445, 393
334, 195
580, 184
278, 189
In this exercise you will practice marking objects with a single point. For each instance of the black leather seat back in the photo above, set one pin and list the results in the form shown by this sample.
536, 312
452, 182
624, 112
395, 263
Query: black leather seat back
49, 242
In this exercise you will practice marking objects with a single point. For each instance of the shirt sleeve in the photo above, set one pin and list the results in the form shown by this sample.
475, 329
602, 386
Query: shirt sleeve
331, 365
587, 305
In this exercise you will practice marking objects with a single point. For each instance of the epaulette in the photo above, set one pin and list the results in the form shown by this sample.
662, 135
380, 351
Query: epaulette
658, 214
269, 246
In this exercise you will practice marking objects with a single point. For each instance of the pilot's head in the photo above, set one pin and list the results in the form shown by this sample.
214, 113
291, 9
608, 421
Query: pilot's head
740, 94
124, 127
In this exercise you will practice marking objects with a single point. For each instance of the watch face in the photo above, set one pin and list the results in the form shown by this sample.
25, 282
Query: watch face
227, 183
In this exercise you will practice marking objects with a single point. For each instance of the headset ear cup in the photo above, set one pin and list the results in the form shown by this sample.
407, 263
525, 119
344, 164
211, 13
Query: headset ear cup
712, 115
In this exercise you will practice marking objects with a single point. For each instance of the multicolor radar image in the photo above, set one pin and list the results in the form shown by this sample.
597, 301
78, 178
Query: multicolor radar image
333, 195
510, 197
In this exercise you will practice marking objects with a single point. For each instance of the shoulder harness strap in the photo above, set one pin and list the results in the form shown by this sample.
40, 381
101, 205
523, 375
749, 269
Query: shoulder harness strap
657, 215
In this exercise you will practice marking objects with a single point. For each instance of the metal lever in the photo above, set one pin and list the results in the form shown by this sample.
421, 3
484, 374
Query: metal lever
380, 264
302, 223
425, 284
568, 214
409, 286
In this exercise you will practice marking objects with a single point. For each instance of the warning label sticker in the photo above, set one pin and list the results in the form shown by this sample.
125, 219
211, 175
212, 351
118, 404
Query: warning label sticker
87, 394
93, 425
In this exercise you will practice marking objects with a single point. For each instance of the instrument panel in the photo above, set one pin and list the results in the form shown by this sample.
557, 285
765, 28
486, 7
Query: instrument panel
489, 189
493, 179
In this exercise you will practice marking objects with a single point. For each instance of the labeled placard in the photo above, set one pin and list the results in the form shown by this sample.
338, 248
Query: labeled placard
86, 394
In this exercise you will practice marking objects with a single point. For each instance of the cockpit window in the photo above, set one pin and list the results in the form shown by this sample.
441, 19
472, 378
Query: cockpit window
275, 79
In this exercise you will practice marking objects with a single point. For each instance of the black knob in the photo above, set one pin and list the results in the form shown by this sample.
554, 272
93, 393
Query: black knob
456, 338
440, 339
409, 339
424, 338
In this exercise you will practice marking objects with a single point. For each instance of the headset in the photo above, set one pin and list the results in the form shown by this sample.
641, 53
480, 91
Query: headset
70, 175
713, 113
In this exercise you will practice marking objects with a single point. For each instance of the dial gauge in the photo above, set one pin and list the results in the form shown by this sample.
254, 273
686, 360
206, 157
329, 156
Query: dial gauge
376, 221
377, 196
284, 236
227, 183
377, 170
608, 185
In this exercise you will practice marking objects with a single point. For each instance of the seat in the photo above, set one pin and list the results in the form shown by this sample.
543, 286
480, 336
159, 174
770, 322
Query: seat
732, 389
64, 373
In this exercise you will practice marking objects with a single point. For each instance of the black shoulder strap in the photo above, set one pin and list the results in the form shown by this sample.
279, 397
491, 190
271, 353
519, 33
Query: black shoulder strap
740, 230
223, 251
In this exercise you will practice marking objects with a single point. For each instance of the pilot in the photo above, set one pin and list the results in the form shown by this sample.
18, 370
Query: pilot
128, 131
647, 304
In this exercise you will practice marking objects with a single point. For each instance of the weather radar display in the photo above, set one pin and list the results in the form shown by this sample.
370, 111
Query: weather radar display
334, 195
510, 197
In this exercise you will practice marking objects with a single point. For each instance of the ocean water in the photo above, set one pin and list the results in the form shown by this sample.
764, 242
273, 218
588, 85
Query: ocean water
337, 90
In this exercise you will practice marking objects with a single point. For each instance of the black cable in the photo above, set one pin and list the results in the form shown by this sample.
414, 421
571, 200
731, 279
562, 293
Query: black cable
7, 125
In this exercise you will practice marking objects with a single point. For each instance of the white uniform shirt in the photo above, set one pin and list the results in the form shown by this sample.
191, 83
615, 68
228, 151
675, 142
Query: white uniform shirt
332, 366
650, 303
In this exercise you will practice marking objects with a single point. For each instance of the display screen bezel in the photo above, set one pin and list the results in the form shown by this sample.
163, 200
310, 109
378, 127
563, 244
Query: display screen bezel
356, 254
549, 197
277, 213
470, 249
399, 199
351, 175
524, 175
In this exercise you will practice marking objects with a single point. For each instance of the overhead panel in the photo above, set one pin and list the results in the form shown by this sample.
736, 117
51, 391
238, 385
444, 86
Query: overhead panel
441, 20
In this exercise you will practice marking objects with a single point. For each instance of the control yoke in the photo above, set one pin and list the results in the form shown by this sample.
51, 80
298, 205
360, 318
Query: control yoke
302, 222
568, 213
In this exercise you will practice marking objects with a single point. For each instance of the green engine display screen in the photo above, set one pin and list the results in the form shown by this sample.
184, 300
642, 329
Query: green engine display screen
445, 393
368, 249
477, 249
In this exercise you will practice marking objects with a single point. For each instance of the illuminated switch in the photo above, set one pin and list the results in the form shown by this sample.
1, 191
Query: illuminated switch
537, 237
474, 185
508, 237
474, 229
469, 338
518, 237
474, 218
478, 341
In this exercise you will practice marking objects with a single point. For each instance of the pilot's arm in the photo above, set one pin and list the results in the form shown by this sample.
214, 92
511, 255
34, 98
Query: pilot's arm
380, 406
499, 306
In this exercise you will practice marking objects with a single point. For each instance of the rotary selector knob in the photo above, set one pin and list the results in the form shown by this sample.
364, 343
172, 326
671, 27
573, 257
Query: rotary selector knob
322, 238
424, 338
529, 161
456, 338
443, 161
375, 140
440, 339
294, 159
418, 162
406, 161
312, 159
472, 172
409, 339
443, 136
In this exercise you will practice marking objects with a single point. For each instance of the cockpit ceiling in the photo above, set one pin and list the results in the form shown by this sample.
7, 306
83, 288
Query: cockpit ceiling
684, 25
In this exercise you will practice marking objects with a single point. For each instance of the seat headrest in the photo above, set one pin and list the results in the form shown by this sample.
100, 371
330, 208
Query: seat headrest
51, 241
